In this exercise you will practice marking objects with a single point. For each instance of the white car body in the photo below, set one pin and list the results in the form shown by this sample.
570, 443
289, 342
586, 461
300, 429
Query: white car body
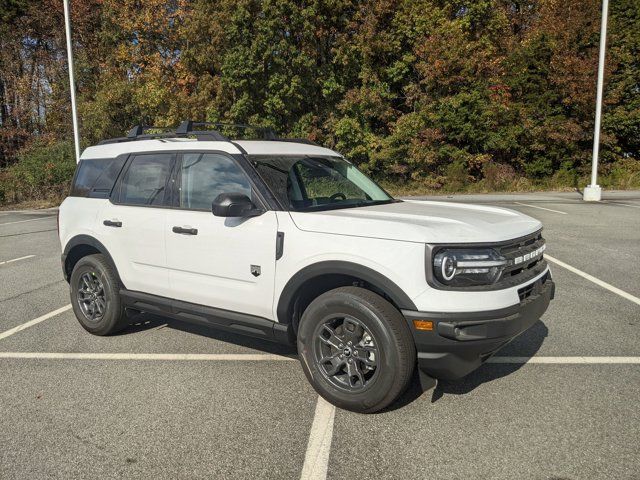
217, 267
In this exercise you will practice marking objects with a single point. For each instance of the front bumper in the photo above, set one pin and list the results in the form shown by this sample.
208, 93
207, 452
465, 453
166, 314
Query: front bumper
460, 342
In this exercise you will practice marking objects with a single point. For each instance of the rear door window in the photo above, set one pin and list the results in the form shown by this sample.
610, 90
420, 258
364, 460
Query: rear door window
145, 181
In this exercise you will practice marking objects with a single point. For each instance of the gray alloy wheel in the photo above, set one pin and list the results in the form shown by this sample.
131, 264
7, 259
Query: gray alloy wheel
91, 297
346, 353
356, 349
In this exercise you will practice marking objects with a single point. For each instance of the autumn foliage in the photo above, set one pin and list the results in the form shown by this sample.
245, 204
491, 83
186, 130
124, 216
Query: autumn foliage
434, 91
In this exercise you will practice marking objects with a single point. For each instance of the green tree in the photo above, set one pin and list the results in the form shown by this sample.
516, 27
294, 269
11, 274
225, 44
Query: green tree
422, 90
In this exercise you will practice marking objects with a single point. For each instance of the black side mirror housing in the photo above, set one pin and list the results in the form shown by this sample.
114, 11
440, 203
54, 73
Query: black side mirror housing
234, 205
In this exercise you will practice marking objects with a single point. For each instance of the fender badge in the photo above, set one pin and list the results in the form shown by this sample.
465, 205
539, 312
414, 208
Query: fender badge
255, 270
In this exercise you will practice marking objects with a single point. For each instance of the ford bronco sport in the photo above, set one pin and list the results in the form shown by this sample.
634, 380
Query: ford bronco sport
286, 240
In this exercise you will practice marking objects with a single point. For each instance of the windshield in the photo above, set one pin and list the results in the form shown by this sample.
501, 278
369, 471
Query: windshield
306, 183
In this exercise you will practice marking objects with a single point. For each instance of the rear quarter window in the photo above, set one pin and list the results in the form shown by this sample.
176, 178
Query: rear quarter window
96, 178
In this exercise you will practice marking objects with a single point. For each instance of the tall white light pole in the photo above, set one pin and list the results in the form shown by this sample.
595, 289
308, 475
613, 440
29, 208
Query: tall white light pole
72, 83
593, 192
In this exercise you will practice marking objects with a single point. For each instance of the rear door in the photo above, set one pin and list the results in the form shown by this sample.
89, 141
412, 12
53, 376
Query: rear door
226, 263
131, 226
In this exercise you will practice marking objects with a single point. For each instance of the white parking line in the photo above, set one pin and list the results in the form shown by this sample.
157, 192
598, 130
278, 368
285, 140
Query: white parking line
30, 220
568, 360
322, 414
595, 280
16, 259
316, 460
541, 208
224, 357
35, 321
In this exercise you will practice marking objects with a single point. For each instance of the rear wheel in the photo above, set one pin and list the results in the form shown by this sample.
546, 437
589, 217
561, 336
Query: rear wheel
356, 349
95, 296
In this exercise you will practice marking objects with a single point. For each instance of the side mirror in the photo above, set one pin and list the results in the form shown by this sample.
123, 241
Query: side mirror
234, 205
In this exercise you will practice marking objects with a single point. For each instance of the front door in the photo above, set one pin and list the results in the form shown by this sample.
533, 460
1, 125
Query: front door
226, 263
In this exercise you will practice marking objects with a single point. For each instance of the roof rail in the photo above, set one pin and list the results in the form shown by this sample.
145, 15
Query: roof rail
138, 133
186, 129
139, 130
267, 133
183, 130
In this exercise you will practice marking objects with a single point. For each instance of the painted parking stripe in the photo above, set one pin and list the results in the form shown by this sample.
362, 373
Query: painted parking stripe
268, 357
16, 259
30, 220
540, 208
569, 360
215, 357
35, 321
316, 460
595, 280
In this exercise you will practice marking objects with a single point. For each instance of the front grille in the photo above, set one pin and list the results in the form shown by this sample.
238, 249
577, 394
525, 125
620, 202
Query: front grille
516, 273
518, 270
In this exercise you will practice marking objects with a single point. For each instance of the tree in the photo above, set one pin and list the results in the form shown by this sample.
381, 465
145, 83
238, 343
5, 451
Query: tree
408, 89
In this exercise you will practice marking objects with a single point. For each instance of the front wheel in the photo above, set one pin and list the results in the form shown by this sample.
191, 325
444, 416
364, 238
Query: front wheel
356, 349
95, 296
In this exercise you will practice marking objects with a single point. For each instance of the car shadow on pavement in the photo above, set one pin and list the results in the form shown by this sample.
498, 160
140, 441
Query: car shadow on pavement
146, 321
526, 345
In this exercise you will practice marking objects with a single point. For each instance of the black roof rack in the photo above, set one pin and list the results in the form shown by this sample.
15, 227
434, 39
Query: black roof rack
186, 130
139, 130
187, 127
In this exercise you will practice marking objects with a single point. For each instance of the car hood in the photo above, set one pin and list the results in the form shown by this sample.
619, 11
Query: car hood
421, 221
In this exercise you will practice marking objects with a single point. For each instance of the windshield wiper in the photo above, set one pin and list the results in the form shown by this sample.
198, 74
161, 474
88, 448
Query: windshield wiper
341, 205
370, 203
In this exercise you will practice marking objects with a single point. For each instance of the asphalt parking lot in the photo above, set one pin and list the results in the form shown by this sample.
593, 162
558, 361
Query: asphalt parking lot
166, 399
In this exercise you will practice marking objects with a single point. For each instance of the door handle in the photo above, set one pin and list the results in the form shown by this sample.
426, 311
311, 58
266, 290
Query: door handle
187, 231
112, 223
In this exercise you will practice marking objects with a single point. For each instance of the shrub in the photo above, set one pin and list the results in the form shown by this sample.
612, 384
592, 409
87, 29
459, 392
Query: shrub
565, 177
623, 174
498, 176
43, 171
457, 176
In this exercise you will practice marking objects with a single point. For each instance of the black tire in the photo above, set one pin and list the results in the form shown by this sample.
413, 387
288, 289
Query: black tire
108, 314
386, 341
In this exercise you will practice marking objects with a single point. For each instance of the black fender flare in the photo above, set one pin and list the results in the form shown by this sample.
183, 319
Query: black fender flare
80, 240
284, 310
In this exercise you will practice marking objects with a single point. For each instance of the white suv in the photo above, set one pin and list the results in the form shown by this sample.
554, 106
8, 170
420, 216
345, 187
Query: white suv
288, 241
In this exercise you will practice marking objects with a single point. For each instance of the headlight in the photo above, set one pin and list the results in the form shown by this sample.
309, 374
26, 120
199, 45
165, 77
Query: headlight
457, 267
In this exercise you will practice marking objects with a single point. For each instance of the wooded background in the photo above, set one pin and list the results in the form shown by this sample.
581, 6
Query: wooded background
433, 91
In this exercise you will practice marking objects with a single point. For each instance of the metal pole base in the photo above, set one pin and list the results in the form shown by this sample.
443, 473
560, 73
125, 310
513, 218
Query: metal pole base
592, 193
